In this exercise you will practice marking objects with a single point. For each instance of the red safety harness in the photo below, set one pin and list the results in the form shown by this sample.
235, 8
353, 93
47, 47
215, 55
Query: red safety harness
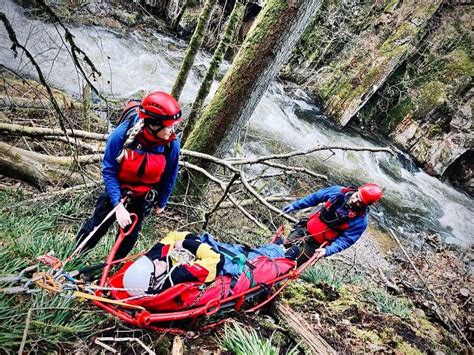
326, 224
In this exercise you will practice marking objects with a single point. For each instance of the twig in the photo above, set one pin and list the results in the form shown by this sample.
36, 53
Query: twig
25, 331
310, 150
48, 195
177, 348
223, 186
294, 168
208, 215
105, 346
263, 201
147, 349
13, 38
250, 202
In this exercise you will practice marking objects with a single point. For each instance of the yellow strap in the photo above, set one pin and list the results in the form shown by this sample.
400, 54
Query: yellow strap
105, 300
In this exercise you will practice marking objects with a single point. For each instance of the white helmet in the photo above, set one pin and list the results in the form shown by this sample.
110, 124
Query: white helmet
137, 276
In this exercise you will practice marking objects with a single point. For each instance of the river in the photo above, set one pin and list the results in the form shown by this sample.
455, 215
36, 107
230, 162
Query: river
131, 63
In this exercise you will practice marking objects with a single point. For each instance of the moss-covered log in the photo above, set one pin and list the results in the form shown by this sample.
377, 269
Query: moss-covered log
235, 18
41, 170
194, 45
267, 46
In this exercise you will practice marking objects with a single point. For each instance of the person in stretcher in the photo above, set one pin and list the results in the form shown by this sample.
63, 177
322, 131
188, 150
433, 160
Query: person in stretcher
185, 257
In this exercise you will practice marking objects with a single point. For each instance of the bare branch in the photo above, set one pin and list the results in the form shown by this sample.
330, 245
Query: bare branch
309, 151
13, 38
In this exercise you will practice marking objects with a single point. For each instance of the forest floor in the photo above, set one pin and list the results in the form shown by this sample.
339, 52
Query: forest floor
367, 299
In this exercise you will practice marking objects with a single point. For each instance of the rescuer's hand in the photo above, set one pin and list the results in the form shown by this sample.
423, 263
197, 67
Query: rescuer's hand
320, 253
122, 215
158, 210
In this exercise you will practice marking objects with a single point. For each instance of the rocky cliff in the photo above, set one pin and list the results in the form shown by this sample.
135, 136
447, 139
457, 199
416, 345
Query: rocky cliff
401, 68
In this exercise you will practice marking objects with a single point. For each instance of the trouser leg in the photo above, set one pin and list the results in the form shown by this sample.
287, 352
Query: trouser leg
309, 247
102, 208
299, 230
136, 205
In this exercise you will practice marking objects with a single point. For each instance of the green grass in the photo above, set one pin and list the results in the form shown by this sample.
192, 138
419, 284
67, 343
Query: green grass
26, 232
335, 275
387, 303
243, 341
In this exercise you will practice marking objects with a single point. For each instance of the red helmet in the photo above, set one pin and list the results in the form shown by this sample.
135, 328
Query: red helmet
370, 193
160, 107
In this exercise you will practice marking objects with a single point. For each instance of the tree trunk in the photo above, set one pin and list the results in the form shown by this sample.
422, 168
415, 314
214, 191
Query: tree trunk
40, 170
194, 45
235, 18
15, 129
268, 45
177, 19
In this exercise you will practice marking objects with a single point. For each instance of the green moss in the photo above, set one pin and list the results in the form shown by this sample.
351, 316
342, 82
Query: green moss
367, 336
391, 5
425, 328
430, 96
397, 114
399, 41
301, 293
406, 348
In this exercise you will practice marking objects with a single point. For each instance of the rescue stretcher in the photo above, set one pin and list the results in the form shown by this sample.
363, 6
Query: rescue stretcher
177, 309
191, 301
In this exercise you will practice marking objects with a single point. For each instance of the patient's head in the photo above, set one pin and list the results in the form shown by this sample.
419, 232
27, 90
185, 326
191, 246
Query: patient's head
142, 274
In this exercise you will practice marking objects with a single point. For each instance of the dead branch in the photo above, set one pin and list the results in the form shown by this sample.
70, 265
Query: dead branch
146, 348
208, 215
34, 104
263, 201
42, 131
178, 346
250, 202
40, 170
311, 338
309, 151
295, 168
48, 159
75, 51
222, 185
25, 332
13, 38
49, 195
80, 144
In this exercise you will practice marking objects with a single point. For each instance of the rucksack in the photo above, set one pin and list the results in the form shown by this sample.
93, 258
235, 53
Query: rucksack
129, 111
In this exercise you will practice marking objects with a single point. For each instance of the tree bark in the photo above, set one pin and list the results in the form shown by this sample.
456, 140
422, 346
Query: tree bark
42, 132
40, 170
268, 45
235, 18
194, 45
177, 19
311, 339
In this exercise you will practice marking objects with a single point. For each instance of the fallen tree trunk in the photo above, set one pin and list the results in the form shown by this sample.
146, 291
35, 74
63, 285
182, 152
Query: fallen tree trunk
41, 170
42, 132
36, 103
313, 342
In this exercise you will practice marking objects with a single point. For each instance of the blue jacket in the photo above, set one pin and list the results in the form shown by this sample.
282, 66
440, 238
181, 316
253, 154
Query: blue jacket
110, 166
357, 225
232, 265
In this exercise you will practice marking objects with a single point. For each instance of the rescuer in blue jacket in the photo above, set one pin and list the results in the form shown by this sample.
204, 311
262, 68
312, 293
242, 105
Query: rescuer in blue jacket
141, 161
340, 221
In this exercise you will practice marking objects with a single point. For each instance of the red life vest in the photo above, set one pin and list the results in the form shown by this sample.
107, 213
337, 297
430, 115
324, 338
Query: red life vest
141, 168
321, 228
